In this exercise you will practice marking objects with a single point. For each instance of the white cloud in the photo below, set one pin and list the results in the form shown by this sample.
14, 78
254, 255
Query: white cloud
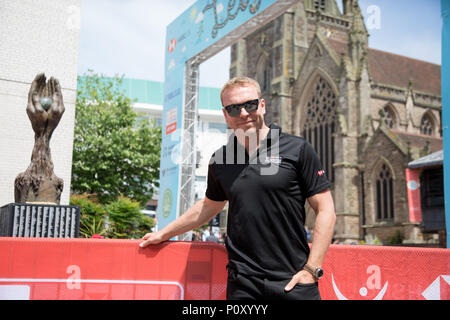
126, 37
219, 8
199, 17
171, 64
215, 71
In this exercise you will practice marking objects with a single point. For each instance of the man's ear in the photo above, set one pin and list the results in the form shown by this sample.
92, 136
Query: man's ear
263, 105
225, 115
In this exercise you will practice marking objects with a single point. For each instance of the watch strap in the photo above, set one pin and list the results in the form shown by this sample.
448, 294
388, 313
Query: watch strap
311, 270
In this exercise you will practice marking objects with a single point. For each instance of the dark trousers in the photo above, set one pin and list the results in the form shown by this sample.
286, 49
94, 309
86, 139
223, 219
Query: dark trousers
244, 287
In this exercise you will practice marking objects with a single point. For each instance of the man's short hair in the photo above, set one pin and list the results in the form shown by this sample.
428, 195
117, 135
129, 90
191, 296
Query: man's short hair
240, 82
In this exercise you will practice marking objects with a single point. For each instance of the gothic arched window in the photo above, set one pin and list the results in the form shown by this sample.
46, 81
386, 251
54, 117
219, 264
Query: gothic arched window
319, 126
384, 194
427, 125
389, 117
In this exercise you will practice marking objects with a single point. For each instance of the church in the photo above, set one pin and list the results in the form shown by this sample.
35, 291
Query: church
368, 113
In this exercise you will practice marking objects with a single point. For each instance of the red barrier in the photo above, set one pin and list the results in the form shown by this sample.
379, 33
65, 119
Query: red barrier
389, 273
41, 268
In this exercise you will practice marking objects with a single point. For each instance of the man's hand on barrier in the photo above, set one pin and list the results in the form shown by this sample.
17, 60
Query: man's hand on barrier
151, 238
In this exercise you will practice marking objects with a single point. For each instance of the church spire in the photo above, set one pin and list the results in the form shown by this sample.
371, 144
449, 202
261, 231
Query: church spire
348, 7
358, 36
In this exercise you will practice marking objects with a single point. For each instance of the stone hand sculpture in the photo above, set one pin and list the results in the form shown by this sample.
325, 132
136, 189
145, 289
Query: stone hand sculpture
45, 108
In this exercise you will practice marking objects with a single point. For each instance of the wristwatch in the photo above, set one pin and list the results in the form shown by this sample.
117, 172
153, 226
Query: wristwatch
317, 272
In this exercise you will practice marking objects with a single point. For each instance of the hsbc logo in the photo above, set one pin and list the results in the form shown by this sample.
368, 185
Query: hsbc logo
175, 41
172, 45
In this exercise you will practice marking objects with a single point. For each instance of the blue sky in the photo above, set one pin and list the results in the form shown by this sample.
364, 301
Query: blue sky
407, 27
128, 36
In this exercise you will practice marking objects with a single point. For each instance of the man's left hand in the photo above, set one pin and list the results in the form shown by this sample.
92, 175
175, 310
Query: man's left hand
301, 277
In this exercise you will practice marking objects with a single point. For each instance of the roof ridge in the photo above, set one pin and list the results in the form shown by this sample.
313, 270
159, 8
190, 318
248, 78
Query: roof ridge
403, 56
414, 134
387, 52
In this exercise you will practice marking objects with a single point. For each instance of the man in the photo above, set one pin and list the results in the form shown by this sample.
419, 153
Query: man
268, 252
212, 238
206, 234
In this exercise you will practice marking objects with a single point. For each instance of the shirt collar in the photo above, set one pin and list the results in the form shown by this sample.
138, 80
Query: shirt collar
272, 137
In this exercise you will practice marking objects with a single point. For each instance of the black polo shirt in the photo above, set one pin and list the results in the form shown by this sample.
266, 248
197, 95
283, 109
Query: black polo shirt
266, 193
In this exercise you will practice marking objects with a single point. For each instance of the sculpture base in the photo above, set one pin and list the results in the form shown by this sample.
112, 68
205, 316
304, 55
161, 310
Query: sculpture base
39, 220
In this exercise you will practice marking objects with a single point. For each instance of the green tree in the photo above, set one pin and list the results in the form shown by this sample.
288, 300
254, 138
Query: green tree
114, 153
92, 215
126, 219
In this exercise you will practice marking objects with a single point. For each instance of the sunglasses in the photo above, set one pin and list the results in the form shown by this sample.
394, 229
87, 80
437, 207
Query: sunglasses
235, 109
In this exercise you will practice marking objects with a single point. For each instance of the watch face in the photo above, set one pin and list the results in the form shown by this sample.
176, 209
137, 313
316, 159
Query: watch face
319, 273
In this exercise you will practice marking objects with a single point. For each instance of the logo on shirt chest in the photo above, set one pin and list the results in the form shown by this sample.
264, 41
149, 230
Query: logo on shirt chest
272, 160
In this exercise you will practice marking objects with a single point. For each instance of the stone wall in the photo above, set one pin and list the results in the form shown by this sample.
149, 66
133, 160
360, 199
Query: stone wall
383, 150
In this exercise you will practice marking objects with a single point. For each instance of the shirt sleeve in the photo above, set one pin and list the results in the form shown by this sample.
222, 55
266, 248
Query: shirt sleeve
214, 190
312, 177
